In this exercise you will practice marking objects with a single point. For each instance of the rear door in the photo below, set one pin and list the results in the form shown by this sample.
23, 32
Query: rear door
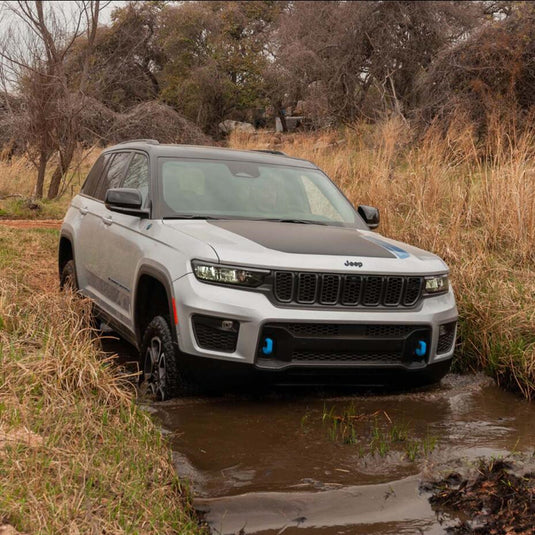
86, 247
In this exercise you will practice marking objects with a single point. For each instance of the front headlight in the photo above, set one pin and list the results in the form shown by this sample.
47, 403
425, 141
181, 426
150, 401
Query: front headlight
437, 284
235, 276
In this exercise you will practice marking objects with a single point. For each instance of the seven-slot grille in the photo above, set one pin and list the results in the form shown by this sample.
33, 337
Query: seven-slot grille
331, 289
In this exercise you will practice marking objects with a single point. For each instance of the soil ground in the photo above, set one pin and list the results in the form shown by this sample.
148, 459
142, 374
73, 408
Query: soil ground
31, 223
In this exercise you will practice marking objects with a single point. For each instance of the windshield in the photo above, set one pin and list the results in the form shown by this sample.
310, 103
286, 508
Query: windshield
245, 190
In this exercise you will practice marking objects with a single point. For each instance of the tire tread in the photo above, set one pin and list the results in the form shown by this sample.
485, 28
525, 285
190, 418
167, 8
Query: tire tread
177, 383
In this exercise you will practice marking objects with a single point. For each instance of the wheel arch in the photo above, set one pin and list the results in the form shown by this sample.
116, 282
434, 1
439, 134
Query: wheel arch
153, 295
65, 250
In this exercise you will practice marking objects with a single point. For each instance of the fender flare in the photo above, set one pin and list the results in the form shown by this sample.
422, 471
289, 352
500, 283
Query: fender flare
159, 273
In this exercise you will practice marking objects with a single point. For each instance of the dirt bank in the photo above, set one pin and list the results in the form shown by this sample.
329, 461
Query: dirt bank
31, 223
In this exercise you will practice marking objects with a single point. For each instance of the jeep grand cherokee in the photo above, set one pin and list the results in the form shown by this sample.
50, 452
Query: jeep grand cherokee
253, 261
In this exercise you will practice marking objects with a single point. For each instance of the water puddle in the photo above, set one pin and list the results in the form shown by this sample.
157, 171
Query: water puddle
335, 462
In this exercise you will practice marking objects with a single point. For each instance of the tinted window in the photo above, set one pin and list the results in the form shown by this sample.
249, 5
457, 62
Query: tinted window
114, 174
137, 176
91, 182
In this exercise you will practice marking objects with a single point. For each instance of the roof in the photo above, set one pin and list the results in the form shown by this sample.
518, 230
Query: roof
212, 153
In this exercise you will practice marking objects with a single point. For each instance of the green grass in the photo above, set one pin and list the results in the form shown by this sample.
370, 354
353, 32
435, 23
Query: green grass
376, 434
26, 208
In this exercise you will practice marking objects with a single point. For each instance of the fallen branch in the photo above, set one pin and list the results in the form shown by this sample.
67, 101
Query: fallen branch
17, 195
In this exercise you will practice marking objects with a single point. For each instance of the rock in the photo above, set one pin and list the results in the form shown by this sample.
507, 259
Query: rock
228, 126
6, 529
292, 123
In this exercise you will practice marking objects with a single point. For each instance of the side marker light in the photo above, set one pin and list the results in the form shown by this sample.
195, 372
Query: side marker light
175, 315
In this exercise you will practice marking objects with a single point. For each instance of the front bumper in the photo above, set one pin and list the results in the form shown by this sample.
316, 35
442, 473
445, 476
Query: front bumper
256, 315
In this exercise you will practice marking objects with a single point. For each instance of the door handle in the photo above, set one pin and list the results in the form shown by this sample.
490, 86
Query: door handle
108, 220
83, 210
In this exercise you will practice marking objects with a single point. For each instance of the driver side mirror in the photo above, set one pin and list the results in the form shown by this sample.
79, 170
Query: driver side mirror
125, 201
370, 215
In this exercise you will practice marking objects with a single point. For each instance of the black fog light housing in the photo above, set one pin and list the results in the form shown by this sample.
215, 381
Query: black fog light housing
446, 337
216, 334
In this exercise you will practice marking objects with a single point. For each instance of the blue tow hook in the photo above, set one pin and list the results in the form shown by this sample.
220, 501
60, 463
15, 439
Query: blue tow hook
268, 346
421, 349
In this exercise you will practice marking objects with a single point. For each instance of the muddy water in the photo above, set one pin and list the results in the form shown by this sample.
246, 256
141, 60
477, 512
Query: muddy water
270, 462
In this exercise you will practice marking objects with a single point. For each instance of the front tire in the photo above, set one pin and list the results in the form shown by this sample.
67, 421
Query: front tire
159, 361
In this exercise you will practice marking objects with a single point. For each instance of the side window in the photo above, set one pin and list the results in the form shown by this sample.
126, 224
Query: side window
114, 174
91, 182
137, 176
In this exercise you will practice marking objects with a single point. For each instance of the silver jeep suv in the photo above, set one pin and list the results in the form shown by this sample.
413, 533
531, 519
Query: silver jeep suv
251, 262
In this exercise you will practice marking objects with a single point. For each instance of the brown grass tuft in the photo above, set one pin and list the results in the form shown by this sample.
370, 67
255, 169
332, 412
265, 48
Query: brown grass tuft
76, 452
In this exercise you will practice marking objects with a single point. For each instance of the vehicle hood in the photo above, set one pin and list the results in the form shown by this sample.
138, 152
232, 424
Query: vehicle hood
278, 245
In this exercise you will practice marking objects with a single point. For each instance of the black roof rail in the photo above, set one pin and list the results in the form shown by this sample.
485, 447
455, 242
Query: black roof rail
271, 151
148, 141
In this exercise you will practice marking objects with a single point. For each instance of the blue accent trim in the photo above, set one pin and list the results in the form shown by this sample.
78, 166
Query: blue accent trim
398, 251
268, 346
421, 350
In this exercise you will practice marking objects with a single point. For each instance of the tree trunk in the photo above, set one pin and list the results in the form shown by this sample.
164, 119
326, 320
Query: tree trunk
39, 185
65, 159
282, 118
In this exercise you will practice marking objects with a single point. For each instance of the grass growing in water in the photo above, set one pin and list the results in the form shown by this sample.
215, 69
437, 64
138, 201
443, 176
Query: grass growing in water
376, 433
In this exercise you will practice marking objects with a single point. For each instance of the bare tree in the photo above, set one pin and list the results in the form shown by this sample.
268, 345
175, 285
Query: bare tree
490, 74
33, 54
361, 59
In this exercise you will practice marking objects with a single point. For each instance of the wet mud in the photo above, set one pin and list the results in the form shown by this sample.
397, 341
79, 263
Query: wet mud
330, 462
498, 497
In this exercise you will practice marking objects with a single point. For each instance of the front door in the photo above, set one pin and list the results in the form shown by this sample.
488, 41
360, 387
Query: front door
123, 242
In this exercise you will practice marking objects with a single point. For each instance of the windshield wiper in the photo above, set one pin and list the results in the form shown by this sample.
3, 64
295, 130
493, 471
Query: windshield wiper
283, 220
191, 216
298, 221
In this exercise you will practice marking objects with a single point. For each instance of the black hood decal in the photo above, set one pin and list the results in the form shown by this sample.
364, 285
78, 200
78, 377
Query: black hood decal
305, 238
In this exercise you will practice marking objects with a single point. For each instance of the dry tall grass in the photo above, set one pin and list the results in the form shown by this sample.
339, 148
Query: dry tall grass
472, 204
17, 183
77, 455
